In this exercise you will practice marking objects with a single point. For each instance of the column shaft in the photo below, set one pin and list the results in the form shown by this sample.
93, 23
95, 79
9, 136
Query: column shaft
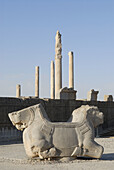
52, 80
18, 90
58, 65
37, 81
58, 76
71, 70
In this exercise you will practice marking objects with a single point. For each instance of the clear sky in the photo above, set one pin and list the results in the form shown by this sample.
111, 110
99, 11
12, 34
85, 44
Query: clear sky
27, 39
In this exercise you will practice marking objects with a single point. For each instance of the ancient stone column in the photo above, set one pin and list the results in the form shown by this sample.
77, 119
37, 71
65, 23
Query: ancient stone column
52, 80
18, 90
58, 65
71, 70
37, 81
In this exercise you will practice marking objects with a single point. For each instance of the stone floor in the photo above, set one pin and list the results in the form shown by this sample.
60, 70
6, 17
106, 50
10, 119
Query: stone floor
13, 157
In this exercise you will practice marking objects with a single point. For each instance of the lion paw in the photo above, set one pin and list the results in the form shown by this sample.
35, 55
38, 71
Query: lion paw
48, 153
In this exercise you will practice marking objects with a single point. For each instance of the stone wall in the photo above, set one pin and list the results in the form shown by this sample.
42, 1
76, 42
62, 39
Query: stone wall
57, 110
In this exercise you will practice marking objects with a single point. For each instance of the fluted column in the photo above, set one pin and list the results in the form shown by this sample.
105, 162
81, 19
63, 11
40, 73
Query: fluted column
52, 80
37, 81
71, 70
18, 90
58, 65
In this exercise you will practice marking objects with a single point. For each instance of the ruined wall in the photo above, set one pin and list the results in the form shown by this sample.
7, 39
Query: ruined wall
57, 110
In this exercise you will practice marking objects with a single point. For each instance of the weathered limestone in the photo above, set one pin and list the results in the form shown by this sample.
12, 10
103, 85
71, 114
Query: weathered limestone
71, 70
58, 64
52, 80
63, 139
18, 90
67, 93
108, 98
92, 95
37, 81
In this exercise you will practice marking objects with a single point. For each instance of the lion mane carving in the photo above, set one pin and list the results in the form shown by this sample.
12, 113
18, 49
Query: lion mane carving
47, 139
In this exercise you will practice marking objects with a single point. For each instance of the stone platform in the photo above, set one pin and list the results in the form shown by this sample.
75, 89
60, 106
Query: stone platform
12, 156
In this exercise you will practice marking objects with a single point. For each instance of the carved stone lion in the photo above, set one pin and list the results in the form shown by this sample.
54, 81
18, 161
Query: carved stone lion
62, 139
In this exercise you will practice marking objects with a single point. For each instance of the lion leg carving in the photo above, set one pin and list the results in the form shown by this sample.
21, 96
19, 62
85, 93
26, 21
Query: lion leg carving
78, 150
40, 146
92, 149
52, 152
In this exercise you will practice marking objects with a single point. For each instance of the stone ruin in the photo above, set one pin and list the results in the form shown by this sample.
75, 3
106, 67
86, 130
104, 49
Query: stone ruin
59, 110
45, 139
56, 89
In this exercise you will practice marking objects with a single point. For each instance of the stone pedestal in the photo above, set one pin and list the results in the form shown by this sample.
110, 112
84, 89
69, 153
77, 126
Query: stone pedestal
67, 93
37, 81
71, 70
18, 90
108, 98
92, 95
52, 81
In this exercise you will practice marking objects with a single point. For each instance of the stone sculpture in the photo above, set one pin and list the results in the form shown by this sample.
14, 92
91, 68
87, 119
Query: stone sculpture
62, 139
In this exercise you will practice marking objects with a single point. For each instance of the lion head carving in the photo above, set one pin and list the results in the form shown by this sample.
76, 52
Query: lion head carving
22, 119
91, 113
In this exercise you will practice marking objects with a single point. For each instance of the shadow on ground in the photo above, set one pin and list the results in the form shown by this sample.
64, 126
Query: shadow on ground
109, 156
10, 142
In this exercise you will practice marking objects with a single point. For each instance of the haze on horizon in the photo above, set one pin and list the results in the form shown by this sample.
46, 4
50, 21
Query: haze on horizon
27, 39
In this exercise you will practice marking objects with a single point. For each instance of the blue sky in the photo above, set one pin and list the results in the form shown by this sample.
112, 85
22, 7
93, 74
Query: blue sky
27, 39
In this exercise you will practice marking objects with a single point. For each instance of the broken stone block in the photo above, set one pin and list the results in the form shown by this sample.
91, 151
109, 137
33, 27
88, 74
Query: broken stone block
92, 95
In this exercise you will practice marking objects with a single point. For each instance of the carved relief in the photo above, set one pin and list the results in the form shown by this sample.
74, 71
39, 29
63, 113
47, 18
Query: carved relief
62, 139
